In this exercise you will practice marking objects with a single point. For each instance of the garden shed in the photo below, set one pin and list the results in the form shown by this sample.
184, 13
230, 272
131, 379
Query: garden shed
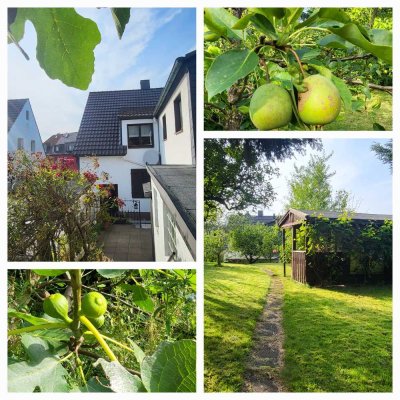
329, 247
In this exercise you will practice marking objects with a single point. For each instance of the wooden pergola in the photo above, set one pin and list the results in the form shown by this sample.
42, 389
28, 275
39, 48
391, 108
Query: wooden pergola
294, 218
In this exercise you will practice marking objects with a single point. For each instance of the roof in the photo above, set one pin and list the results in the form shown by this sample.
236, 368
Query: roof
178, 184
263, 219
14, 109
61, 138
296, 217
99, 132
180, 67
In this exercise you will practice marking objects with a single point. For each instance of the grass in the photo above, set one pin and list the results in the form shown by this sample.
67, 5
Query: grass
336, 340
363, 121
234, 297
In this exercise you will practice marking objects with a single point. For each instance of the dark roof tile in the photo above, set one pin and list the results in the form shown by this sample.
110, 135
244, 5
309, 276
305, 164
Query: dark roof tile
99, 133
14, 109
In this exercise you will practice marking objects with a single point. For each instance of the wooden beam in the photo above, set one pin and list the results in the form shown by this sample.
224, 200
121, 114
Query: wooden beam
283, 249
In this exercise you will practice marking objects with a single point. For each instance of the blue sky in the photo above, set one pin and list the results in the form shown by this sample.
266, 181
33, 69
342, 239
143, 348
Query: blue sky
358, 171
152, 41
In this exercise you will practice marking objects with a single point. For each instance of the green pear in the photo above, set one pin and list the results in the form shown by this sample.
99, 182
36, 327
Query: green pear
270, 107
320, 103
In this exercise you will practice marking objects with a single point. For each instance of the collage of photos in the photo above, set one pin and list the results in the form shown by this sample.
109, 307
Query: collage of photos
114, 113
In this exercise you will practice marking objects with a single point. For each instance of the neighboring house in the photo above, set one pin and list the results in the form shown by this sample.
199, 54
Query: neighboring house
23, 132
131, 132
61, 147
260, 218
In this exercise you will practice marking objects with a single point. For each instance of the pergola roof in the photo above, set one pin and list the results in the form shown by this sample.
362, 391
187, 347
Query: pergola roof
295, 217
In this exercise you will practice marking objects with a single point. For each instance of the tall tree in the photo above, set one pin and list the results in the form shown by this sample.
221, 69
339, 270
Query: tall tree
310, 187
237, 172
384, 152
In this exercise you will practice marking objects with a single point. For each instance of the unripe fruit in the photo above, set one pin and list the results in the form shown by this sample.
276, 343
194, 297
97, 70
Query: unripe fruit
56, 305
93, 305
270, 107
97, 322
321, 103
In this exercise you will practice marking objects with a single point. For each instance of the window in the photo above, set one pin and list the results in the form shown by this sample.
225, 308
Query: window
70, 147
138, 178
20, 145
170, 234
33, 147
155, 202
27, 115
164, 127
140, 136
56, 149
178, 114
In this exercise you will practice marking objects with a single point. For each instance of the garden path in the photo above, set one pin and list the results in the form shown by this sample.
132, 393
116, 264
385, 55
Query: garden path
266, 357
127, 243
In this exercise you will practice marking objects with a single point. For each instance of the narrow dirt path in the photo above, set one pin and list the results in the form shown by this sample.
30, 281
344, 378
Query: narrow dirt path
266, 357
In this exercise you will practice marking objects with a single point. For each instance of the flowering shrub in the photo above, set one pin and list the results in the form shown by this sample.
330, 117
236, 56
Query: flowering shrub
49, 210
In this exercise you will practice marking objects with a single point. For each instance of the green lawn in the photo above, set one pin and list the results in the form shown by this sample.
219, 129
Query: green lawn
363, 121
335, 340
234, 296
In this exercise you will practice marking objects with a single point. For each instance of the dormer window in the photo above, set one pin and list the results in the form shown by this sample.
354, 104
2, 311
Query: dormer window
140, 136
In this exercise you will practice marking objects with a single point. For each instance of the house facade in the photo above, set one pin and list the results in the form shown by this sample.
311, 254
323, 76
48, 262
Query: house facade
132, 133
60, 147
23, 132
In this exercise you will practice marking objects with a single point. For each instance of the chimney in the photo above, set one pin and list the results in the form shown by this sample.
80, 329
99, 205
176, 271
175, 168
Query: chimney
260, 213
145, 84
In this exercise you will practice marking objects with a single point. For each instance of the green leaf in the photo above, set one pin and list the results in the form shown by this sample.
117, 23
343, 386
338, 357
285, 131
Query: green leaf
111, 273
243, 22
269, 13
172, 368
344, 91
264, 25
293, 14
139, 353
139, 297
121, 380
43, 371
49, 272
121, 18
352, 34
335, 42
27, 317
381, 37
228, 68
65, 43
94, 385
221, 21
326, 72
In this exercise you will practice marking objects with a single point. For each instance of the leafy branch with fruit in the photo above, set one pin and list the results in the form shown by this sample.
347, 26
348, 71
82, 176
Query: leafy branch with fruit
74, 343
281, 68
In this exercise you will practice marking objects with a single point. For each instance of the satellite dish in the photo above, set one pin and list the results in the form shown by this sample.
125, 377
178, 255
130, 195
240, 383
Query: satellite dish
151, 157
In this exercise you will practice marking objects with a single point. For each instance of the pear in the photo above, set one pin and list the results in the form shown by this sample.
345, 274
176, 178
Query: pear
270, 107
320, 103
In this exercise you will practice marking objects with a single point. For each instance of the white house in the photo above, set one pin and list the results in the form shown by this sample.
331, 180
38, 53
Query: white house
132, 133
23, 132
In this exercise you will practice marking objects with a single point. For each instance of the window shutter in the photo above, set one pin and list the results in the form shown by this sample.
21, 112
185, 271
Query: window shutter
138, 178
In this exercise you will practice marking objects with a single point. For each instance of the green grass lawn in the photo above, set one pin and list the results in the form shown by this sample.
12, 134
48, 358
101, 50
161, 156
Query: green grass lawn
234, 296
336, 340
363, 121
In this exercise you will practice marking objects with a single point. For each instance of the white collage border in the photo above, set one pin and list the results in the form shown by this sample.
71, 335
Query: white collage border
200, 4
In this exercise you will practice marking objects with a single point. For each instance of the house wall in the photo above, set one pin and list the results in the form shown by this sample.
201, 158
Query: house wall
26, 129
159, 218
179, 147
119, 172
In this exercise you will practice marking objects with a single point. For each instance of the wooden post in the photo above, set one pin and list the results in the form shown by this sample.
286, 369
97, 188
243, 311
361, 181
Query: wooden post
283, 249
